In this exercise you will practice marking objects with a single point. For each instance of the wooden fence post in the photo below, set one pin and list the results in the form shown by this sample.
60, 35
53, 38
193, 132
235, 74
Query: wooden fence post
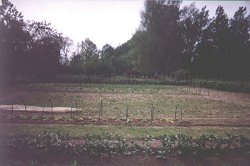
25, 106
181, 116
12, 110
152, 113
43, 111
100, 110
71, 116
76, 108
126, 112
175, 112
51, 106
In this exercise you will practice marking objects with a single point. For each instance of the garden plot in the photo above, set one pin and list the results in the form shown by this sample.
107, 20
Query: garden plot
115, 103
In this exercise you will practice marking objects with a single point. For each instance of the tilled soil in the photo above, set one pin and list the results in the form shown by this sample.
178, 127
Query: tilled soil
136, 160
226, 122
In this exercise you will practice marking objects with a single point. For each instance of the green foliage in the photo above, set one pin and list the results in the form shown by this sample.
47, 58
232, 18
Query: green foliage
176, 145
169, 39
33, 163
225, 85
51, 142
74, 163
105, 145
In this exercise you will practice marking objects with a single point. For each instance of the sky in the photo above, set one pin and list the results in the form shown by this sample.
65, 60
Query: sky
102, 21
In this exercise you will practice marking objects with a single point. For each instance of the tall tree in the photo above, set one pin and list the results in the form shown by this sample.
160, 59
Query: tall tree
107, 59
122, 61
13, 40
66, 50
160, 28
239, 52
202, 60
87, 57
221, 41
192, 23
45, 49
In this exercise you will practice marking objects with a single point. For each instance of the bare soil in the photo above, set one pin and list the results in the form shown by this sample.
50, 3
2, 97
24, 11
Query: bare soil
86, 160
226, 122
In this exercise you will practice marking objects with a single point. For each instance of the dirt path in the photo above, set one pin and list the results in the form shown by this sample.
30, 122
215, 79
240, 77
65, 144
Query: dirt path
226, 122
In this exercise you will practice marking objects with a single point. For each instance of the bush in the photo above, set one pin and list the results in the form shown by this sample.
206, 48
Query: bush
225, 85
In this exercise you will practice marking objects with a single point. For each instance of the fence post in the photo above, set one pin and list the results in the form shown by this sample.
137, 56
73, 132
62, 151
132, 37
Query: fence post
43, 111
51, 106
181, 116
152, 113
71, 111
12, 110
100, 110
126, 112
24, 106
76, 107
175, 112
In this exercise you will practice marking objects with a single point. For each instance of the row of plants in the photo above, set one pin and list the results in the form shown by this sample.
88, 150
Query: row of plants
233, 86
105, 145
174, 79
225, 85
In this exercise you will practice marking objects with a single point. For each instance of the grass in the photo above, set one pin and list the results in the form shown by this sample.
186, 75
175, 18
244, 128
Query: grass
115, 96
124, 131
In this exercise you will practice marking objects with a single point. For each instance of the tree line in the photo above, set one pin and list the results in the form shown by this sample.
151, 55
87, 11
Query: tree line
29, 48
169, 40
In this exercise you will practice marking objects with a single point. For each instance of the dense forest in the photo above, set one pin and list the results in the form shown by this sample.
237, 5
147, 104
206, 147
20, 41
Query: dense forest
169, 40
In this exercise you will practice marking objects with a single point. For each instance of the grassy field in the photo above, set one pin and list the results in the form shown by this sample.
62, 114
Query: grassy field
124, 131
194, 102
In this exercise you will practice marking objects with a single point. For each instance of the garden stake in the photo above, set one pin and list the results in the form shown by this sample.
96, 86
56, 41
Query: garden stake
43, 111
76, 108
12, 111
181, 116
126, 112
152, 113
71, 111
100, 110
24, 106
51, 106
175, 113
